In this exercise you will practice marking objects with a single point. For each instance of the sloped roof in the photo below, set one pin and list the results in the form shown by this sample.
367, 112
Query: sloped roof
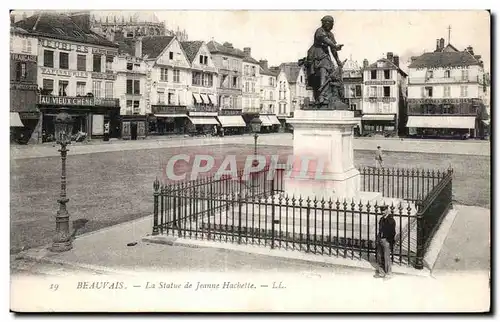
17, 30
153, 46
292, 71
387, 64
215, 47
444, 59
250, 60
61, 26
126, 46
267, 71
191, 48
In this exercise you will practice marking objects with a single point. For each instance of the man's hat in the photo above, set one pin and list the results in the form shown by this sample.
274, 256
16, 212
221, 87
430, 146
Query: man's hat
327, 18
383, 207
378, 147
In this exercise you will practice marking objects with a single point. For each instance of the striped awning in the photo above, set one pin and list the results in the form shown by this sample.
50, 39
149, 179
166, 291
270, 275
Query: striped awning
197, 98
231, 121
204, 97
213, 99
274, 119
204, 120
15, 120
447, 122
266, 121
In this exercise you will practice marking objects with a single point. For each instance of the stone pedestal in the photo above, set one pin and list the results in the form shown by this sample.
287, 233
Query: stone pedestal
326, 138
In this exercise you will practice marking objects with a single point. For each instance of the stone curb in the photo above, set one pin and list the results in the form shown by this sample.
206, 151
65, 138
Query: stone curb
43, 255
437, 241
294, 255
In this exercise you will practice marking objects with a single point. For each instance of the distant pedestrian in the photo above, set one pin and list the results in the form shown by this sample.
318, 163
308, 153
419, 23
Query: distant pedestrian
378, 158
385, 242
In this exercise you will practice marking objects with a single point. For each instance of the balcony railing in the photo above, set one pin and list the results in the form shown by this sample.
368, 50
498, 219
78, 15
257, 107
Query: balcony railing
168, 109
251, 109
445, 80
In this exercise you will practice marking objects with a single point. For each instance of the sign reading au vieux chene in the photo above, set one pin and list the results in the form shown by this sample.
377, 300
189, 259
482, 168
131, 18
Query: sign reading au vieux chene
64, 100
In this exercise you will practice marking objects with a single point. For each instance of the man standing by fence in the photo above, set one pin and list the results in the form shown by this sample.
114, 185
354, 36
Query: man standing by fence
385, 242
378, 158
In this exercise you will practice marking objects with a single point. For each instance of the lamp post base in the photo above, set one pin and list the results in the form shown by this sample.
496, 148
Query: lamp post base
62, 246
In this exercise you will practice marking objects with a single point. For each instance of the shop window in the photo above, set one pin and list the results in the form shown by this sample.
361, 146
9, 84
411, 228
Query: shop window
387, 91
96, 89
63, 88
447, 109
177, 76
80, 88
48, 58
21, 72
163, 74
81, 62
63, 61
96, 67
109, 89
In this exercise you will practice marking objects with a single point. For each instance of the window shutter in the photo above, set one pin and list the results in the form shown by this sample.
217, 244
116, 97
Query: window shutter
137, 86
423, 91
380, 91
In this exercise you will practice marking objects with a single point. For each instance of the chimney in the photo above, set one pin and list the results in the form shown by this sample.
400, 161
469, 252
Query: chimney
247, 51
82, 20
438, 46
413, 58
396, 60
390, 56
138, 47
365, 63
118, 36
228, 45
470, 50
441, 44
263, 63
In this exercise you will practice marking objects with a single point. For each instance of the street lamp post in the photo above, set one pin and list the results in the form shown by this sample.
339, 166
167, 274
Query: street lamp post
256, 124
62, 240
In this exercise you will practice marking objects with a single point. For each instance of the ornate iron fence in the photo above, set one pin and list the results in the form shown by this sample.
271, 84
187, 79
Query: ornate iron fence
255, 210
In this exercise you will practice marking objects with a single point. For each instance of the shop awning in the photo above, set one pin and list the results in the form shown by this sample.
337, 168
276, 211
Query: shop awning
265, 120
170, 115
378, 117
447, 122
204, 121
197, 98
231, 121
274, 119
212, 99
204, 97
486, 122
15, 120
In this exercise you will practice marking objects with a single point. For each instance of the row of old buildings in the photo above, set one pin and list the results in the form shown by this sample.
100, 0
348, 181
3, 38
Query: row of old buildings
135, 78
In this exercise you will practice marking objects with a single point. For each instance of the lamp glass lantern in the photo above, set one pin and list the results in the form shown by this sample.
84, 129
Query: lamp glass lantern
256, 124
63, 128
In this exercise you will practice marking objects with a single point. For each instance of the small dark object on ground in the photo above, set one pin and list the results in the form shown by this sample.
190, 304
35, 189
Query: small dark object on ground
132, 244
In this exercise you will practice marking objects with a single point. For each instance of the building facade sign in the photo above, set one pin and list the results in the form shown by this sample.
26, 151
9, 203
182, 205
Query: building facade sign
106, 76
56, 44
23, 57
442, 100
230, 112
441, 67
380, 99
203, 108
380, 82
65, 100
169, 109
76, 73
106, 52
24, 87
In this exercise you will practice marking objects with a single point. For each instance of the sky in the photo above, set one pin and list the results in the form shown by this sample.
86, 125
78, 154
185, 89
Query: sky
285, 36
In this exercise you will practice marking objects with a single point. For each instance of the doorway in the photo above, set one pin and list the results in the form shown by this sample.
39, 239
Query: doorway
133, 131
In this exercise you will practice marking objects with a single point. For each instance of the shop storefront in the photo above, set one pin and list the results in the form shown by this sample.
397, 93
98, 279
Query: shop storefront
202, 120
270, 123
441, 126
90, 115
134, 127
168, 119
231, 121
383, 124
